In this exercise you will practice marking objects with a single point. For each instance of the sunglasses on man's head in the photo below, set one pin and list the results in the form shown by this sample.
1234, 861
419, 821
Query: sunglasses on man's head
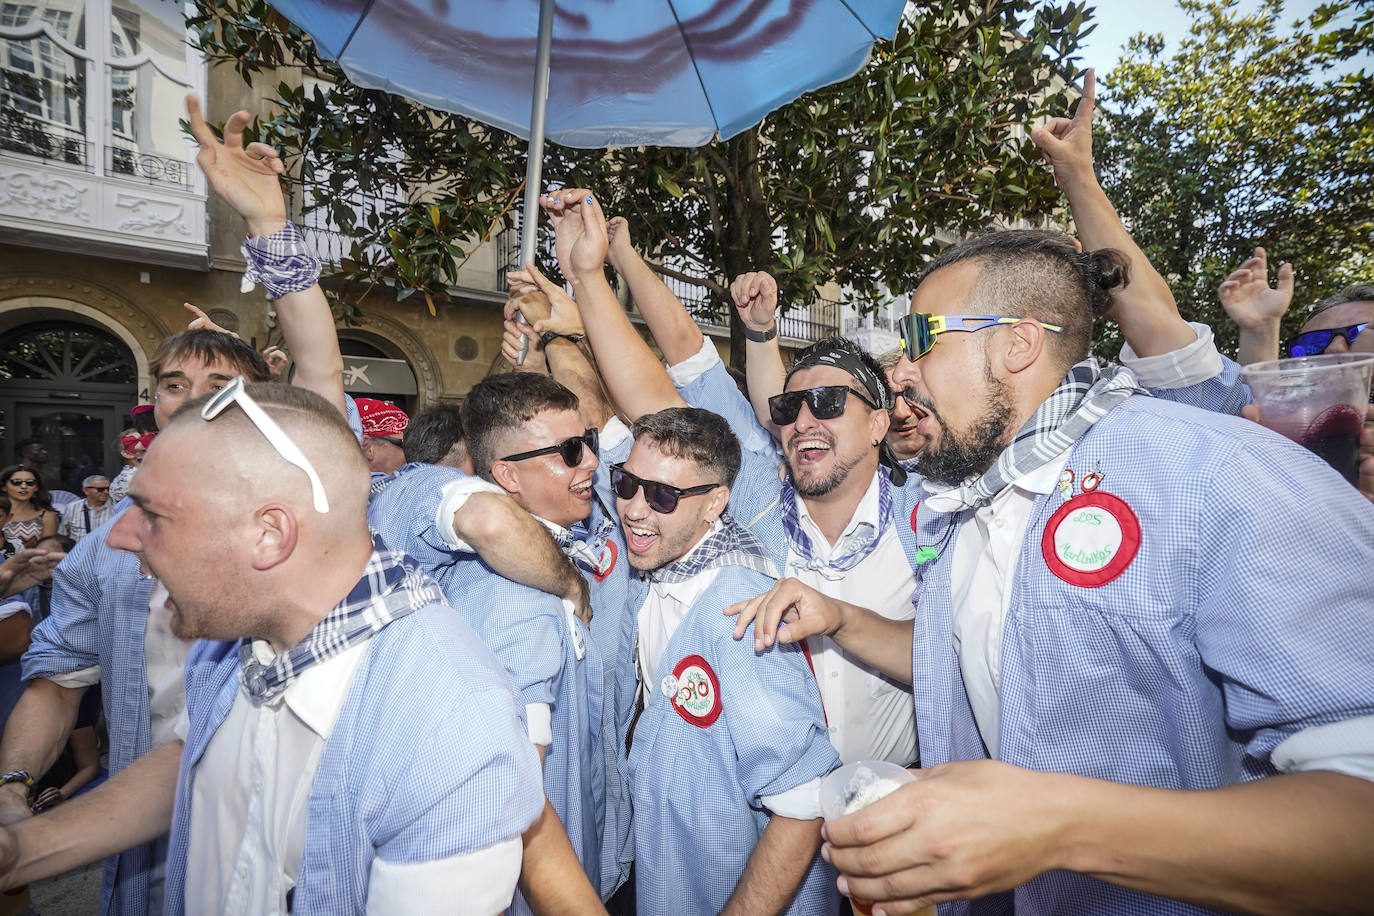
826, 402
918, 330
661, 497
283, 444
570, 449
23, 483
1314, 342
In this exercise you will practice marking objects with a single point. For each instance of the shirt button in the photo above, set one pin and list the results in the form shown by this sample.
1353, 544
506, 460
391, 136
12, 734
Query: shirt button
243, 871
1000, 524
833, 729
834, 674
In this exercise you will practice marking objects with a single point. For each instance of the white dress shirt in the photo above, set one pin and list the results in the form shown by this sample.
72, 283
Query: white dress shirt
871, 717
249, 797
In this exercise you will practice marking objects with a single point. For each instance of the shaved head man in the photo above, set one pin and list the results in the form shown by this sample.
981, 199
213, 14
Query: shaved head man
313, 636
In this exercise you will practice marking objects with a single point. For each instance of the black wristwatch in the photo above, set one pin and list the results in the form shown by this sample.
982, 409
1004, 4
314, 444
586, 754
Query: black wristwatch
549, 336
760, 336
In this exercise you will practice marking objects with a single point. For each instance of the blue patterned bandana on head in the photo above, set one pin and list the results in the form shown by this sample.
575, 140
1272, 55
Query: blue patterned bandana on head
392, 585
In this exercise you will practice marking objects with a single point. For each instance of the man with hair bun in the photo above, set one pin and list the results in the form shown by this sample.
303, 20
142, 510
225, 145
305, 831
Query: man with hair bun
1141, 701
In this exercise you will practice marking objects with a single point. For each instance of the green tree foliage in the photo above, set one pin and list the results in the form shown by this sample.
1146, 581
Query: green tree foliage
850, 183
1256, 131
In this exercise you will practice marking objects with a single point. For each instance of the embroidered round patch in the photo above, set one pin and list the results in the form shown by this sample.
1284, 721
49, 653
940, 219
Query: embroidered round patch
606, 562
1091, 539
697, 699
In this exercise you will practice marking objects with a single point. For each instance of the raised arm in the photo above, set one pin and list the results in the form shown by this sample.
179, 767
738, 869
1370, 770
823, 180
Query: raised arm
1256, 307
1145, 309
677, 335
636, 380
558, 322
249, 180
756, 299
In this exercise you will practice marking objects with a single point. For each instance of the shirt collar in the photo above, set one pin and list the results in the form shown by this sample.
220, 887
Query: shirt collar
687, 591
865, 513
317, 694
1041, 481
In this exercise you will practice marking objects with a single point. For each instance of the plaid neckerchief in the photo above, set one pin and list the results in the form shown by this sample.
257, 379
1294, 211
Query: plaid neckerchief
282, 262
1085, 396
851, 549
587, 550
730, 544
392, 585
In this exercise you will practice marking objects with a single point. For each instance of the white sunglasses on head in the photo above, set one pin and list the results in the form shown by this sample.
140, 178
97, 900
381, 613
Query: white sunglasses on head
234, 393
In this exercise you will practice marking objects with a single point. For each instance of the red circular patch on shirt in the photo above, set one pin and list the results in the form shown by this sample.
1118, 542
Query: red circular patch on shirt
606, 562
698, 696
1091, 539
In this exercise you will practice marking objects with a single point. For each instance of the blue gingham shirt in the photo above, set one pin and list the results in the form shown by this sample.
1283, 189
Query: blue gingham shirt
99, 617
1193, 665
427, 760
698, 792
549, 653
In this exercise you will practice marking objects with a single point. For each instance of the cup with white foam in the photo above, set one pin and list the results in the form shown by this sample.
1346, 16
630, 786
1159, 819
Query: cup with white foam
855, 786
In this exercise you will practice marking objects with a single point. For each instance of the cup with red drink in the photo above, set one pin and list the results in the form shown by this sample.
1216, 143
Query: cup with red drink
1317, 401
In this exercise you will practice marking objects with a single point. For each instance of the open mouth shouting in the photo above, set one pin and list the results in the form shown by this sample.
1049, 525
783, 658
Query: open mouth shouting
582, 490
639, 539
810, 448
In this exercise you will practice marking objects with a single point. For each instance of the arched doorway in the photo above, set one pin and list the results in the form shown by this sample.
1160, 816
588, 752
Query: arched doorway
376, 368
70, 386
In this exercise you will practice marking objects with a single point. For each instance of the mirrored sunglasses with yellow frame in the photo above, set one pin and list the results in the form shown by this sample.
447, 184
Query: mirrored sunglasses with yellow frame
919, 329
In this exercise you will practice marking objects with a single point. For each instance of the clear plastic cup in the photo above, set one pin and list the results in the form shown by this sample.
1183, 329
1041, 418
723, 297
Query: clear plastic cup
858, 785
1317, 401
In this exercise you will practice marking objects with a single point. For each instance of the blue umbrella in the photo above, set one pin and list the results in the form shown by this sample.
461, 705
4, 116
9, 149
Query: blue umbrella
626, 72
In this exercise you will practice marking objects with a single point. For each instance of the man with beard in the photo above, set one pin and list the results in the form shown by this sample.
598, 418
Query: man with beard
835, 519
350, 744
1133, 691
730, 746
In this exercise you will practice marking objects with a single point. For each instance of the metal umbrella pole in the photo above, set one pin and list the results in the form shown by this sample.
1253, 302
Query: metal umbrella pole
534, 168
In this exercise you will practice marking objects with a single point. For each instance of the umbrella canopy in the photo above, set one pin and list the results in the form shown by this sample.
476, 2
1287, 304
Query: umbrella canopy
623, 72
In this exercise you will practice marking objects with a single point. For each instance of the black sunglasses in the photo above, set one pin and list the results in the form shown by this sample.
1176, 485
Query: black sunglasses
570, 450
826, 402
1314, 342
23, 483
99, 489
661, 497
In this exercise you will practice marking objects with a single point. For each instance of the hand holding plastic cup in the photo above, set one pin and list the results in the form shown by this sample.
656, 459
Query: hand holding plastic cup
1317, 401
858, 785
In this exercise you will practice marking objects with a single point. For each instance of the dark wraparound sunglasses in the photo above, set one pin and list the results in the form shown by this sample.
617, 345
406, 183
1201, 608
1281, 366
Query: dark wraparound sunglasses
919, 329
661, 497
826, 402
1314, 342
23, 483
570, 449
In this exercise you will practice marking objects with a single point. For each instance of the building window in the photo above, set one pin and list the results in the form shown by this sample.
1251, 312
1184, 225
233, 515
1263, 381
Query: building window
89, 83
